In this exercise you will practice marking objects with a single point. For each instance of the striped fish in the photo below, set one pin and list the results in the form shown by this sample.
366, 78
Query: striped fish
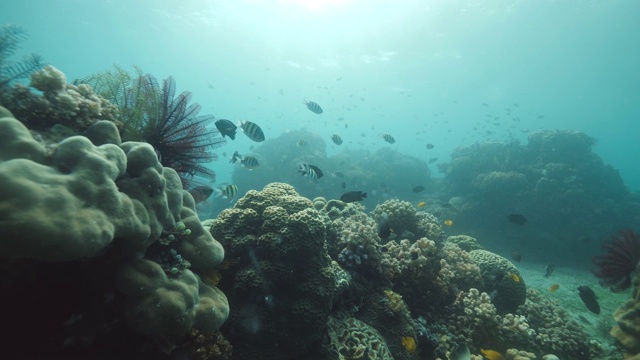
336, 139
250, 162
236, 157
252, 130
312, 172
388, 138
314, 107
549, 270
227, 191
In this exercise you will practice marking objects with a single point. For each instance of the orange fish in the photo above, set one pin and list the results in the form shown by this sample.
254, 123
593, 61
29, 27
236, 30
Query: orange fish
554, 287
409, 343
421, 204
491, 354
514, 277
448, 222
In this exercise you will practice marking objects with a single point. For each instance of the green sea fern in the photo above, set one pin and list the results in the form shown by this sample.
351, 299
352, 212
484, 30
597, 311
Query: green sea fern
10, 38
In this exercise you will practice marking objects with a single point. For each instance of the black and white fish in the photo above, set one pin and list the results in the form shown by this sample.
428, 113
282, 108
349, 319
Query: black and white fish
353, 196
388, 138
314, 107
252, 130
589, 299
227, 191
549, 270
248, 162
312, 172
302, 143
336, 139
226, 128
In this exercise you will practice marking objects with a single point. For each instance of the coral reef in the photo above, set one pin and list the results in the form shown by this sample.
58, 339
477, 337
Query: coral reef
95, 200
501, 279
614, 268
353, 339
464, 242
407, 223
283, 283
74, 106
627, 316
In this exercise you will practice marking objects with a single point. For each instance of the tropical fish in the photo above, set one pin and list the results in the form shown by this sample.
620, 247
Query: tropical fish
312, 172
430, 146
418, 189
432, 160
353, 196
516, 256
338, 174
491, 354
448, 222
446, 205
343, 185
421, 204
548, 270
514, 277
517, 219
250, 162
227, 191
554, 287
314, 107
201, 193
388, 138
409, 343
336, 139
302, 143
226, 128
252, 130
236, 157
589, 299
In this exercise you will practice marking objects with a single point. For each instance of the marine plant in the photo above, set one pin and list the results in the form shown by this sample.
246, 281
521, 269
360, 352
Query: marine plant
614, 268
154, 114
10, 38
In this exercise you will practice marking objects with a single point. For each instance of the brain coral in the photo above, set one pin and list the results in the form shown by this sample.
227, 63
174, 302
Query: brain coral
282, 283
353, 339
406, 222
74, 202
501, 279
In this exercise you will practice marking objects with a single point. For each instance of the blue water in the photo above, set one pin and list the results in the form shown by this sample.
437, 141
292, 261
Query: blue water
419, 70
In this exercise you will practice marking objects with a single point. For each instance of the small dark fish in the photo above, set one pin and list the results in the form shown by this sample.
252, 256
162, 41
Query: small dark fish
353, 196
227, 191
338, 174
236, 157
336, 139
430, 146
446, 205
343, 185
314, 107
302, 143
388, 138
201, 193
516, 256
252, 130
418, 189
312, 172
517, 219
548, 270
432, 160
226, 128
589, 299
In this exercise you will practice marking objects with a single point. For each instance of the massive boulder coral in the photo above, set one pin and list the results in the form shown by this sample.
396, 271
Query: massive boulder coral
501, 279
281, 281
91, 197
406, 222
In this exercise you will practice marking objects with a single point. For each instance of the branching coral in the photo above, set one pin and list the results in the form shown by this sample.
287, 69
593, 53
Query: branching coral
155, 115
614, 268
10, 38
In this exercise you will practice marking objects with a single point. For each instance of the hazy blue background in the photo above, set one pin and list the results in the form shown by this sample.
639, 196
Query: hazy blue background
420, 70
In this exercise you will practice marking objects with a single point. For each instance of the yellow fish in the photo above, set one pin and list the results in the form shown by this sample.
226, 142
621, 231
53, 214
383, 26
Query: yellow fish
448, 222
491, 354
421, 204
514, 277
554, 287
409, 343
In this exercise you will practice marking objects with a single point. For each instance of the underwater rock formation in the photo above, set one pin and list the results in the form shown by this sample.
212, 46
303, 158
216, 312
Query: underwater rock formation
501, 279
280, 281
407, 223
94, 200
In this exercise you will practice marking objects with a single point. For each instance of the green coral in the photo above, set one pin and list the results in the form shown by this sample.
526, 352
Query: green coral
352, 339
